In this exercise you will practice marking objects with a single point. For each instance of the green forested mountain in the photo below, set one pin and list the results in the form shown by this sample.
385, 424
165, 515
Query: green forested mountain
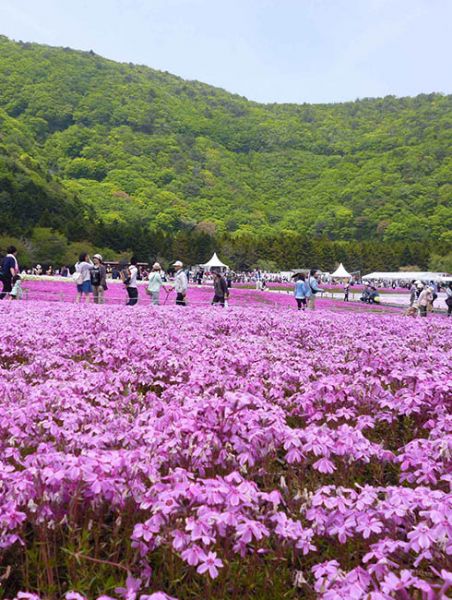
29, 193
97, 149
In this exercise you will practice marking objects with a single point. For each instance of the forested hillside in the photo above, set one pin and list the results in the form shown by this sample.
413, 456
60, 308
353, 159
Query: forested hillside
105, 151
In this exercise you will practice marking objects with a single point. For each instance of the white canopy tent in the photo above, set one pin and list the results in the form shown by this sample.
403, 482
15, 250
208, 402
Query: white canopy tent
214, 263
341, 273
406, 276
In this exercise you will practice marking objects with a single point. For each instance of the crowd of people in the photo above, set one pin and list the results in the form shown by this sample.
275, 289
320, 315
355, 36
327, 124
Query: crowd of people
423, 296
91, 278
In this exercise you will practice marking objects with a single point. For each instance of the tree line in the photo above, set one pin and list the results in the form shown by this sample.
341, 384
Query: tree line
274, 252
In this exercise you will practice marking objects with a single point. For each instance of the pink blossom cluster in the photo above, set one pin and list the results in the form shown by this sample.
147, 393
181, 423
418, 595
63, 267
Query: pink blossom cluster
321, 440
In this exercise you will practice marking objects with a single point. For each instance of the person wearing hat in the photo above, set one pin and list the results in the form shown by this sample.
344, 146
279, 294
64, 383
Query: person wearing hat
155, 283
419, 288
180, 283
425, 300
98, 279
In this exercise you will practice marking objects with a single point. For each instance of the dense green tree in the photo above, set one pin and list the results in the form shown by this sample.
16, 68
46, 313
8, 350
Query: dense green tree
130, 158
24, 249
49, 246
441, 263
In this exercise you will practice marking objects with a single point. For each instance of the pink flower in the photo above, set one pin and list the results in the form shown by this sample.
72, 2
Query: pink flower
193, 555
157, 596
210, 562
143, 531
180, 540
368, 526
421, 537
132, 587
393, 583
249, 529
324, 465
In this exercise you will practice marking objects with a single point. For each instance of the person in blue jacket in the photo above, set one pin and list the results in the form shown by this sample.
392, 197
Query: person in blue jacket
300, 291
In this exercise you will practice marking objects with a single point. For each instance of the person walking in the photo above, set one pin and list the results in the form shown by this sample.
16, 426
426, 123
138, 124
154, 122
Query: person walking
9, 269
425, 299
449, 299
221, 291
82, 277
346, 291
155, 283
199, 275
434, 287
300, 291
180, 284
129, 277
313, 288
99, 279
413, 294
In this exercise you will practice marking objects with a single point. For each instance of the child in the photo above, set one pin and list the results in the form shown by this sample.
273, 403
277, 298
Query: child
17, 291
300, 291
412, 311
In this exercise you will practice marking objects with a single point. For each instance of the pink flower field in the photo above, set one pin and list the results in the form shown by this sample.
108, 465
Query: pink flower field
257, 452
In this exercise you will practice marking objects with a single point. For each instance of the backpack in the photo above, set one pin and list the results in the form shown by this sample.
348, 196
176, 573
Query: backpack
78, 277
313, 291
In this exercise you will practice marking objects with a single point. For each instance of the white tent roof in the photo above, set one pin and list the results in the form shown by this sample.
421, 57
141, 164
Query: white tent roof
340, 272
215, 262
410, 275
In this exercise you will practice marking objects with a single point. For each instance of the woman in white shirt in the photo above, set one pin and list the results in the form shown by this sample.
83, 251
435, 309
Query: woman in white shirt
180, 283
155, 283
82, 276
